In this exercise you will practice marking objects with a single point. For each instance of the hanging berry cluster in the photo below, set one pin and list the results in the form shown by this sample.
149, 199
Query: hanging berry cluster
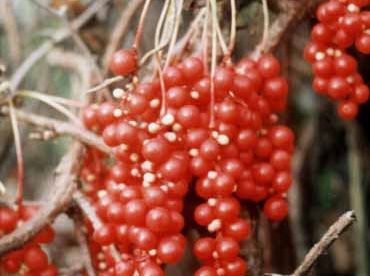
30, 260
214, 130
341, 25
167, 137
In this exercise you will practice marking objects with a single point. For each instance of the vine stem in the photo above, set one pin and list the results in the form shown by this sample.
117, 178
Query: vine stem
157, 56
19, 154
213, 61
140, 28
266, 23
205, 39
227, 57
221, 39
178, 9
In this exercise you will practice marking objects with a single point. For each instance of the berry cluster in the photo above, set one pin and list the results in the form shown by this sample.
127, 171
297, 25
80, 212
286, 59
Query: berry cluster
341, 24
31, 260
185, 126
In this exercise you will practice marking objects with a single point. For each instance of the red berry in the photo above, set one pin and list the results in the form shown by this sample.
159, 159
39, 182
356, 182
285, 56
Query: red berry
192, 69
35, 258
321, 33
276, 208
203, 214
135, 211
363, 43
347, 109
8, 220
124, 268
204, 248
227, 248
236, 267
268, 66
360, 94
238, 229
158, 219
123, 62
170, 251
345, 65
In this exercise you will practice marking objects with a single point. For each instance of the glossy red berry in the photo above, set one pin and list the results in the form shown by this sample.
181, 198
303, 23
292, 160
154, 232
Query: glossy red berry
275, 208
123, 62
35, 258
268, 66
347, 109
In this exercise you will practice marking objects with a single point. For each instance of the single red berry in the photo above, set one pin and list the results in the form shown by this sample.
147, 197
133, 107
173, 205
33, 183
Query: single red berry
275, 208
347, 109
123, 62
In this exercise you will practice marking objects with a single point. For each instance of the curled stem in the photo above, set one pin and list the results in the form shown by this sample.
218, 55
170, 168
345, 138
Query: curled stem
19, 154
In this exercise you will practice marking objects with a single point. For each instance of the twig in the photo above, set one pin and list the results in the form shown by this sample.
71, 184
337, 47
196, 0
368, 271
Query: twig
291, 12
58, 37
65, 185
329, 237
120, 30
82, 241
105, 84
11, 29
61, 128
356, 194
89, 211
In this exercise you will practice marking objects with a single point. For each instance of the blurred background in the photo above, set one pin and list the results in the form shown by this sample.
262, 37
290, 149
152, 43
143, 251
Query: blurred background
331, 165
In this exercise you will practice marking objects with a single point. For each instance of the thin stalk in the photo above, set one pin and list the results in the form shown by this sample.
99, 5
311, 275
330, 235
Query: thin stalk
152, 52
213, 61
266, 23
140, 28
178, 10
19, 154
232, 32
160, 23
60, 100
221, 39
205, 38
48, 101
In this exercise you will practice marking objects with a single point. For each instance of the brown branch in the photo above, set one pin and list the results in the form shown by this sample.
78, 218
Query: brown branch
58, 37
61, 128
120, 30
326, 241
291, 13
88, 210
11, 29
65, 185
82, 241
323, 245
